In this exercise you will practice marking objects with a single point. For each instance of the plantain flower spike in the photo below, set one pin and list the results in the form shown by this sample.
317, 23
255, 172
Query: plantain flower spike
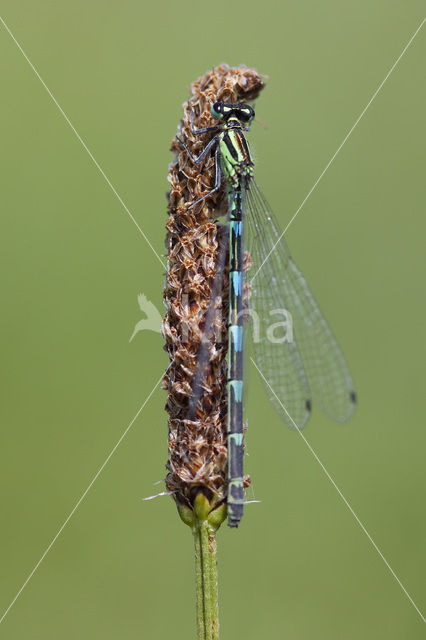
197, 439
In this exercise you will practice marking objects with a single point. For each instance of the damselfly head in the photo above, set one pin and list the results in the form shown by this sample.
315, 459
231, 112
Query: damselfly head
224, 111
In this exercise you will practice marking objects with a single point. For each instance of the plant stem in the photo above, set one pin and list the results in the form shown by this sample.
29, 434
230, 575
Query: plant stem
199, 586
206, 581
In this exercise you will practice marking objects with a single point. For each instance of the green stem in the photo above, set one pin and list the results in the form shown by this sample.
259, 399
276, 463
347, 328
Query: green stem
206, 581
199, 585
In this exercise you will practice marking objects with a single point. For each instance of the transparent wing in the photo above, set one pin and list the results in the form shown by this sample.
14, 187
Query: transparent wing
276, 354
299, 358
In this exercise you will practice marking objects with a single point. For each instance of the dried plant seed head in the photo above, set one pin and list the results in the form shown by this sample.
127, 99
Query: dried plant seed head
197, 440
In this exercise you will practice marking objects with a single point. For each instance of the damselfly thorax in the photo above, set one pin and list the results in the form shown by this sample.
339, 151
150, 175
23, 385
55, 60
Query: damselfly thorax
235, 158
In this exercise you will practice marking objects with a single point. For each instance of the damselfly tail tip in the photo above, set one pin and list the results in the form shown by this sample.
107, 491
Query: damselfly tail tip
234, 522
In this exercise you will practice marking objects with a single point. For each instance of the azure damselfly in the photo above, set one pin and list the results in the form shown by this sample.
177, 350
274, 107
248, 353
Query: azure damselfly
310, 365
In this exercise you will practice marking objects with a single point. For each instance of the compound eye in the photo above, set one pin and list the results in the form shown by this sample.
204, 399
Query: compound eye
217, 110
246, 114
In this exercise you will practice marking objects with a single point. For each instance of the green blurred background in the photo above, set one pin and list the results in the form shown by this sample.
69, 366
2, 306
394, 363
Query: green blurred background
73, 262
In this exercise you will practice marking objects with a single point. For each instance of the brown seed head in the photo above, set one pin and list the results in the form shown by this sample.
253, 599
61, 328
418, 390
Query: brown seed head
197, 440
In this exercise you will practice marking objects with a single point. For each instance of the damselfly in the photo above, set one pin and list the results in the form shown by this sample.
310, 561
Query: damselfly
306, 366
